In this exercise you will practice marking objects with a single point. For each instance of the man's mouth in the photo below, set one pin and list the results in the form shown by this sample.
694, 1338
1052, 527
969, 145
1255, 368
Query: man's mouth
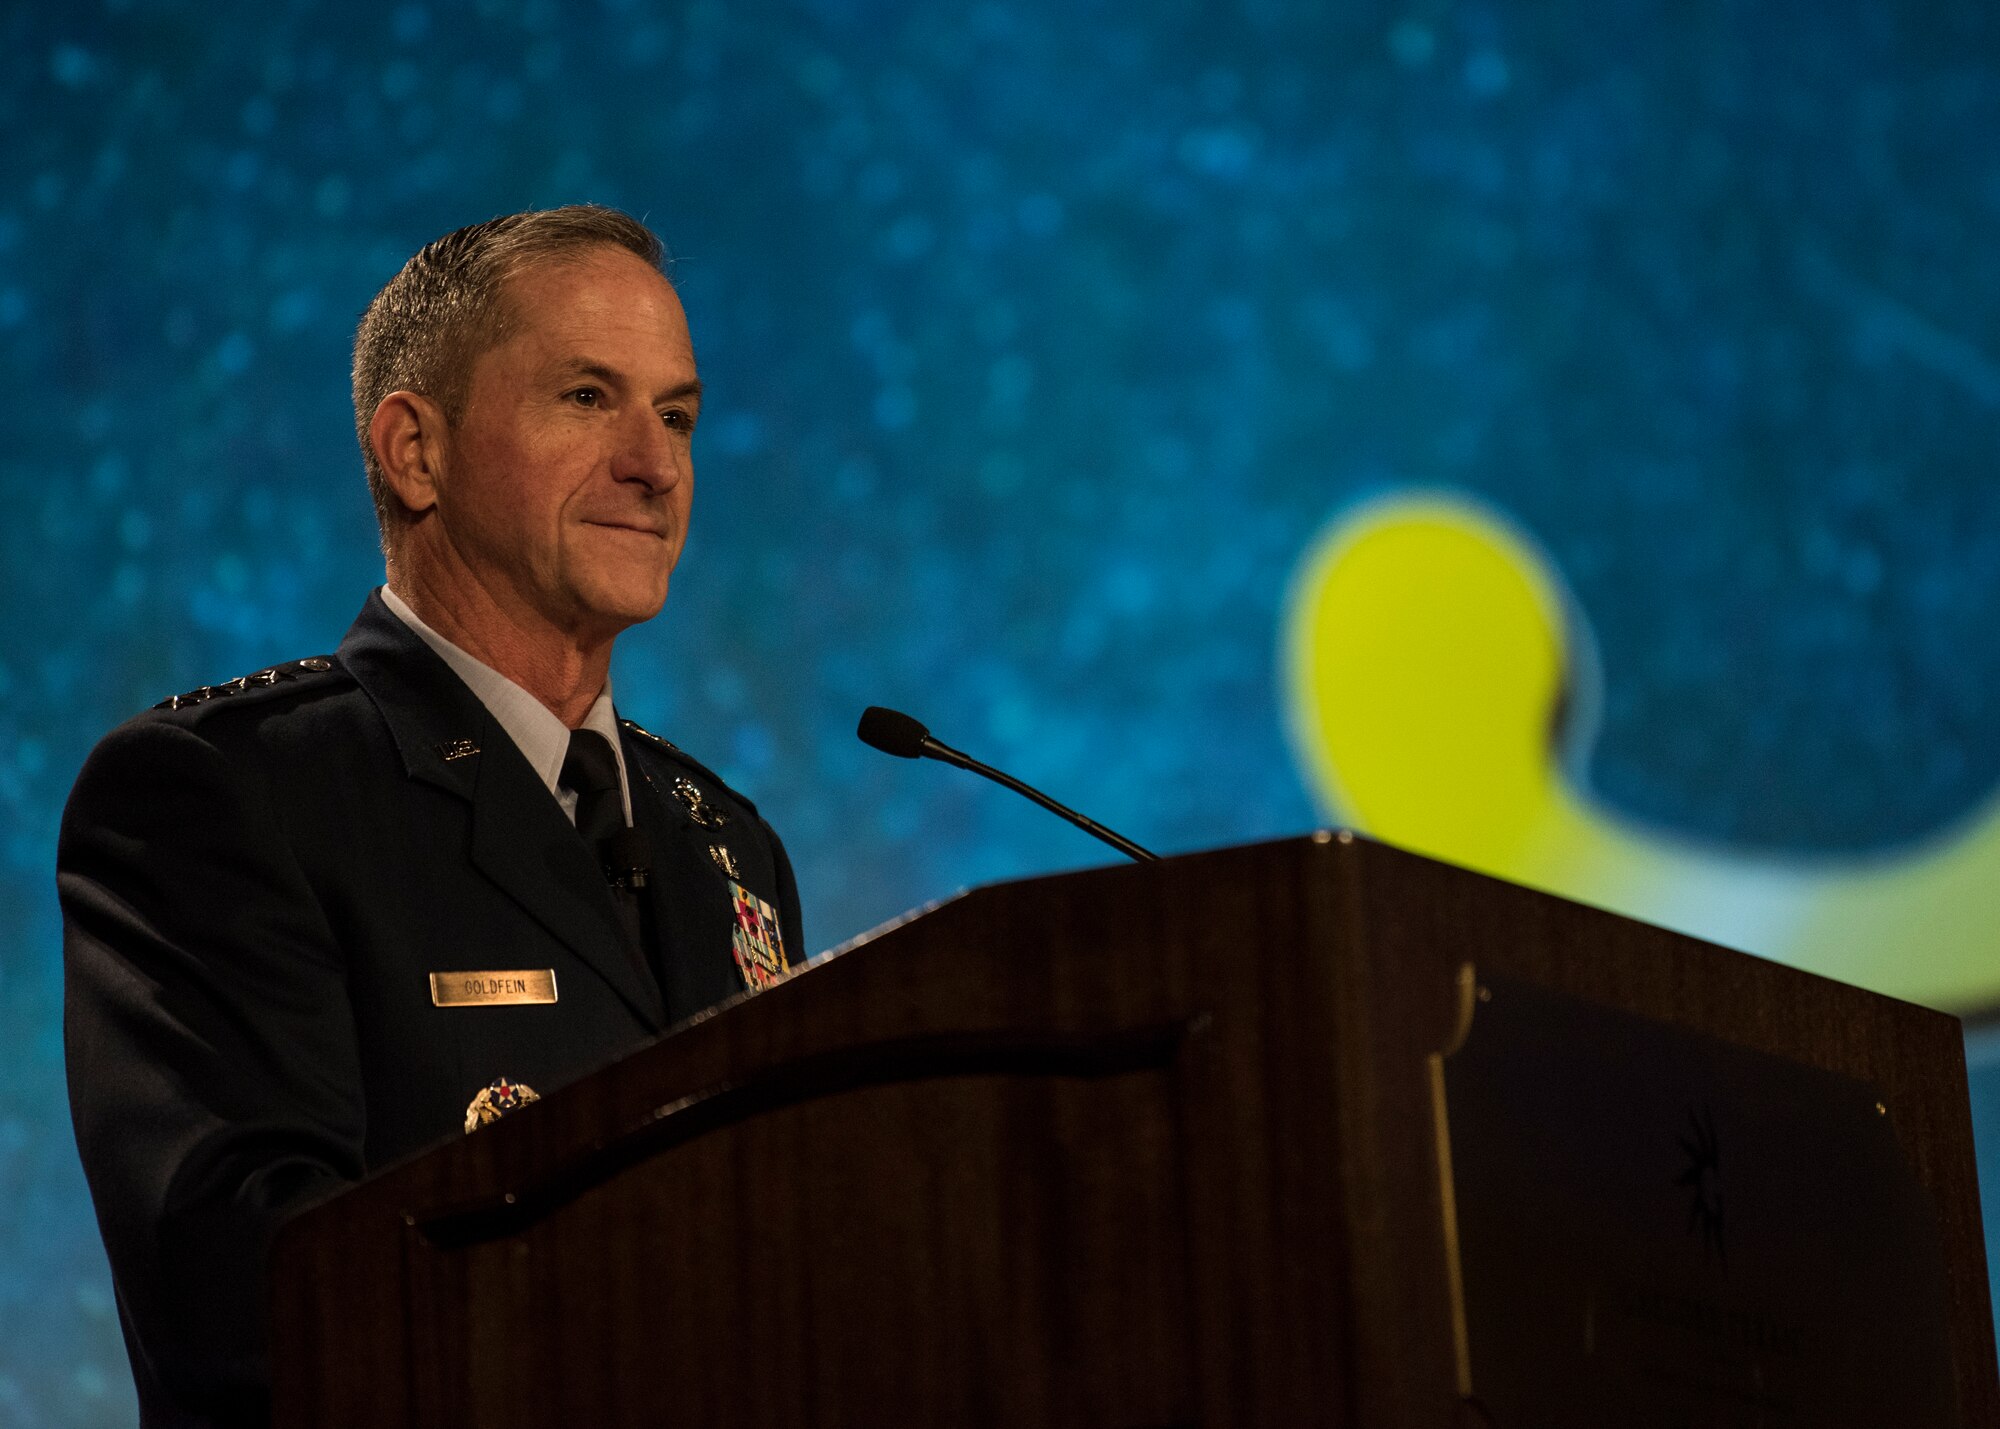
636, 528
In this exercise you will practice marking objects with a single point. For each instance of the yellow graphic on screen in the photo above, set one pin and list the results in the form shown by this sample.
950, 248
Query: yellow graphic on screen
1442, 691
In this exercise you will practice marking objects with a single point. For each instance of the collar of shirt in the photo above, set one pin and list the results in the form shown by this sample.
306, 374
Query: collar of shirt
537, 733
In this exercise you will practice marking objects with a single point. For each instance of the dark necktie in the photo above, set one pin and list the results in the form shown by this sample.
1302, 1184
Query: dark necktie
590, 771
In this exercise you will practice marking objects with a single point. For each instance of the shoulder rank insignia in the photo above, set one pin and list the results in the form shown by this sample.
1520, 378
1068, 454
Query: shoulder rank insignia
632, 728
758, 947
261, 679
495, 1100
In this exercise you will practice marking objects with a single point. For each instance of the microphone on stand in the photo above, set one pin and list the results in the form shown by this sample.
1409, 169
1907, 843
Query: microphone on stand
896, 733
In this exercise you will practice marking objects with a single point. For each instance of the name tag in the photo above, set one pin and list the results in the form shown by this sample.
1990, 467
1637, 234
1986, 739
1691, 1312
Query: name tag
493, 989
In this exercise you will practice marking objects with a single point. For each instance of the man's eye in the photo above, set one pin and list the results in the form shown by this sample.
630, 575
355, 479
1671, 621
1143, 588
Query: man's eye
678, 420
586, 396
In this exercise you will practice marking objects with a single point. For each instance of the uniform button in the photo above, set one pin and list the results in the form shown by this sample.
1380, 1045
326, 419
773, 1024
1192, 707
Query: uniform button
315, 663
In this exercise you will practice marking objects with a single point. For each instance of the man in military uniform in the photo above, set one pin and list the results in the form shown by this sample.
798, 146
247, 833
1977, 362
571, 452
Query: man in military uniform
321, 916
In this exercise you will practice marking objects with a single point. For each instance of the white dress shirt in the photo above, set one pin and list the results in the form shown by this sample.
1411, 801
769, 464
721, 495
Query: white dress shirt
533, 727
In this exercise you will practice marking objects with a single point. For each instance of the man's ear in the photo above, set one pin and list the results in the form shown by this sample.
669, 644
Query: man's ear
408, 435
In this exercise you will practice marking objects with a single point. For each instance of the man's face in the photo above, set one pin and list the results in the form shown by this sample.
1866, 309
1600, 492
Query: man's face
569, 475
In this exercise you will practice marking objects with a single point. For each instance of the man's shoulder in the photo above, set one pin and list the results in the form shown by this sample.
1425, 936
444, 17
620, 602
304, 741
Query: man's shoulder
252, 706
292, 721
689, 781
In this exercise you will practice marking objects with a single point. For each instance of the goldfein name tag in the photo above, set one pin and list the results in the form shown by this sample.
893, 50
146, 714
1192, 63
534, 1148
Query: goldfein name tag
493, 989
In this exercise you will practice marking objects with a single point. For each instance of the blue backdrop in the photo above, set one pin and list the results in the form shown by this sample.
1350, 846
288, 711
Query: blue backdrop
1041, 338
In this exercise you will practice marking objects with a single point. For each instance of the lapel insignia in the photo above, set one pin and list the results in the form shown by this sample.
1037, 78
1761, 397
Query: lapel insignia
705, 814
724, 860
495, 1100
758, 947
456, 749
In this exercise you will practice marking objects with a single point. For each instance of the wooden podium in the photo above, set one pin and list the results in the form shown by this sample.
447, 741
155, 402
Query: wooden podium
1305, 1133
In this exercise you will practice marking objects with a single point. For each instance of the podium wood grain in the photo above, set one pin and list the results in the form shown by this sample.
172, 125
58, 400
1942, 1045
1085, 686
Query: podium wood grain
1147, 1145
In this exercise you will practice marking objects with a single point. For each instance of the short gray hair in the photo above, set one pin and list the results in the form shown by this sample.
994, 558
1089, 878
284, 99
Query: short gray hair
432, 321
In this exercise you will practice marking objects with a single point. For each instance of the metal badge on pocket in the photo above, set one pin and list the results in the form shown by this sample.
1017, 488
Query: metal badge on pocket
493, 989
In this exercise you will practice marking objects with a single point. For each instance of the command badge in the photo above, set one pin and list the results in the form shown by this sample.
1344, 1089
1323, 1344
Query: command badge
696, 803
759, 948
495, 1100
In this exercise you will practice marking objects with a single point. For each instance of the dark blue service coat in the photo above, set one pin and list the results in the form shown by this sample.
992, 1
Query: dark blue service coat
256, 887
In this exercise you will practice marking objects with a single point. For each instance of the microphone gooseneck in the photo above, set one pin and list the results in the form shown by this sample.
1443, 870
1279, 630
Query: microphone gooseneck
894, 732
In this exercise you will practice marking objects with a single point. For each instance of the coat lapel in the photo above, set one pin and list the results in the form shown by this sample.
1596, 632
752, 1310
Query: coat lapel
690, 896
519, 837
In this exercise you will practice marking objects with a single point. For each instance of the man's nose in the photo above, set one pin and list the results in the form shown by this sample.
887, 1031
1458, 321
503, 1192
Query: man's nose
650, 453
